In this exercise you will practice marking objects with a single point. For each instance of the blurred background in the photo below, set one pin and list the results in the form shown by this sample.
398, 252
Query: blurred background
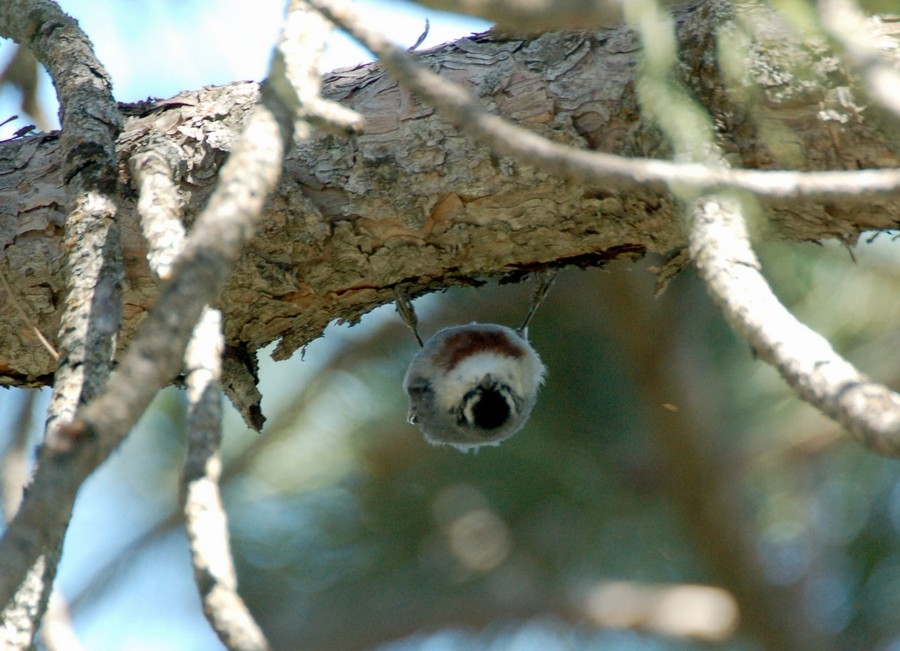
668, 488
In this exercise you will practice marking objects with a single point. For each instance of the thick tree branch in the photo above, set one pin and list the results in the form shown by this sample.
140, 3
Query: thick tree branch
338, 236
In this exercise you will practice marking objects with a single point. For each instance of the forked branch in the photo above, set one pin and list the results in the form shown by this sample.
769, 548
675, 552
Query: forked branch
204, 515
73, 450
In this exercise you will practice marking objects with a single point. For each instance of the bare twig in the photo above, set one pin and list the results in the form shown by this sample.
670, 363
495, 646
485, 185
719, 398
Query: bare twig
74, 450
458, 105
294, 75
205, 520
93, 308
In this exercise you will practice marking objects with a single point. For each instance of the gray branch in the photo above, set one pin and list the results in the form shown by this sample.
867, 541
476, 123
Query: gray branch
93, 305
205, 520
609, 170
721, 249
73, 450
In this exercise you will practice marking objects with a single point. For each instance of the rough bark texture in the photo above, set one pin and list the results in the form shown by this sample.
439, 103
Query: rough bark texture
412, 202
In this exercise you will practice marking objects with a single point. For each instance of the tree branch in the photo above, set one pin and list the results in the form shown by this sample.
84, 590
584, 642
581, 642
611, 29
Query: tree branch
294, 79
74, 450
159, 205
205, 520
93, 309
337, 241
465, 113
721, 249
91, 122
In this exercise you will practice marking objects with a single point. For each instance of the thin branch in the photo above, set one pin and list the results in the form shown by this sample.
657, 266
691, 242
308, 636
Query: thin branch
458, 106
74, 450
93, 307
294, 75
159, 203
89, 115
205, 519
721, 249
153, 166
282, 428
720, 246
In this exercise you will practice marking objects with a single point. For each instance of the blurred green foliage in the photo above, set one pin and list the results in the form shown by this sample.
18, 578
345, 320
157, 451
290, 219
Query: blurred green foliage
661, 453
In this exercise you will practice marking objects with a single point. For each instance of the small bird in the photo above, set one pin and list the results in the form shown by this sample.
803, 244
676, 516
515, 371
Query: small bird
473, 385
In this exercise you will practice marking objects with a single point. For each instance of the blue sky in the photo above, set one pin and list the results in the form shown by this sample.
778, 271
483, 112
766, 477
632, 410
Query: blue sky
160, 47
